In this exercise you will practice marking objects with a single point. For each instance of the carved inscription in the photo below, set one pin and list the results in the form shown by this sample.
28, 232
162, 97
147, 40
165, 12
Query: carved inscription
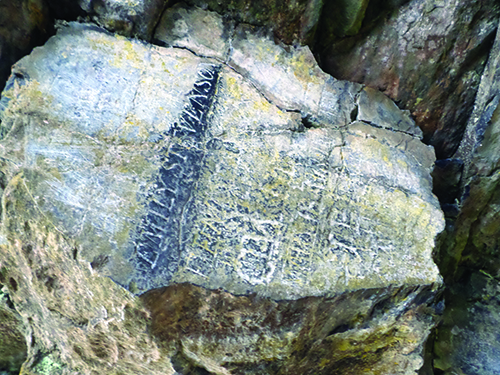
272, 217
192, 172
248, 211
160, 236
265, 224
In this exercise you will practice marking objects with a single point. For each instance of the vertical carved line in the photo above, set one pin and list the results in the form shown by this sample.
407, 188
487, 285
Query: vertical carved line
157, 240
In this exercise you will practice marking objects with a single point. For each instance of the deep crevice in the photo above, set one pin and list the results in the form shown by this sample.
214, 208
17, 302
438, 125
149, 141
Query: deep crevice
6, 298
308, 122
166, 5
184, 365
385, 128
354, 113
13, 284
340, 328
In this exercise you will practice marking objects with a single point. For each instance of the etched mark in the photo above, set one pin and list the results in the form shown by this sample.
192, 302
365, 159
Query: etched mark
257, 259
158, 241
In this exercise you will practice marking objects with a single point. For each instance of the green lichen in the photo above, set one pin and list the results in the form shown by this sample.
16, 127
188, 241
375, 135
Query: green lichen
48, 366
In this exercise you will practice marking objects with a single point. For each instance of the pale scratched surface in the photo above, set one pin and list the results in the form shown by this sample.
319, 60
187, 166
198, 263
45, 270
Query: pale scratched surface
176, 168
290, 213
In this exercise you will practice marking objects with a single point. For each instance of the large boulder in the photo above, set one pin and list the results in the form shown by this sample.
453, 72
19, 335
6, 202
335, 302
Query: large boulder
267, 214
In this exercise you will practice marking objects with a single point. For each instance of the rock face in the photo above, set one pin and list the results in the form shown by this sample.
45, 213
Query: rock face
469, 254
291, 21
427, 56
300, 206
368, 331
12, 342
23, 25
475, 241
342, 18
125, 17
467, 339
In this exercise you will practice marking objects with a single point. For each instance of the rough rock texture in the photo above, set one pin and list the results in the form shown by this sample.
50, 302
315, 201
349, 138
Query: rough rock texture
12, 340
290, 20
248, 172
467, 341
126, 17
475, 242
370, 331
77, 321
236, 183
427, 56
469, 255
24, 24
342, 18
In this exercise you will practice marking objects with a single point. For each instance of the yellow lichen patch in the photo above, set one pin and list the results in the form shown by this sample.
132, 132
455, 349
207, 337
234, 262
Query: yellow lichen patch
234, 90
25, 97
133, 128
305, 68
128, 54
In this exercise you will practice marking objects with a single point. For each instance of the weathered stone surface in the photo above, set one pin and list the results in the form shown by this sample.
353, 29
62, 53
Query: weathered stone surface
291, 21
188, 28
474, 241
126, 17
12, 337
468, 342
427, 56
77, 321
230, 200
246, 171
360, 332
469, 255
478, 148
196, 30
377, 109
23, 25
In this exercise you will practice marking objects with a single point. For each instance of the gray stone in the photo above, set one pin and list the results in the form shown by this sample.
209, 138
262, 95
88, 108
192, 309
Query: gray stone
378, 110
479, 145
130, 18
230, 193
196, 30
426, 55
245, 171
474, 239
469, 253
290, 21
